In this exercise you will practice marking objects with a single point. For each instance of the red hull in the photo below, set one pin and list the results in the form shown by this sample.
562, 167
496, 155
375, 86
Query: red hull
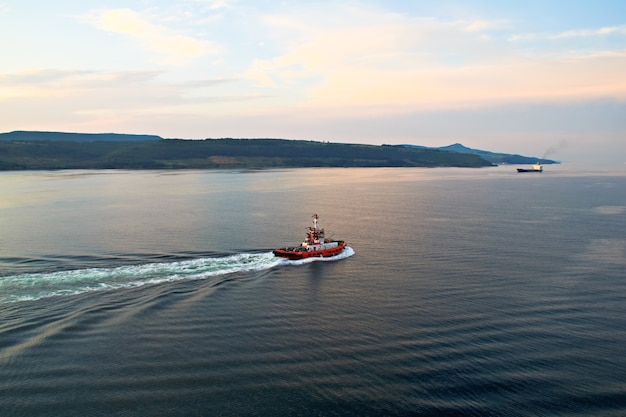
299, 253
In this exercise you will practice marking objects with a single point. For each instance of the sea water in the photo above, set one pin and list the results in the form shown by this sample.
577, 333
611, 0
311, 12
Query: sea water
463, 292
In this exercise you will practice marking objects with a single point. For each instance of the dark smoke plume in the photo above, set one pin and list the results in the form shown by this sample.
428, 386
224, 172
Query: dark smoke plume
552, 150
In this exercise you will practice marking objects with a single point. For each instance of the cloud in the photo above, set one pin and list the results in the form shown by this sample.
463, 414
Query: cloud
215, 4
571, 34
92, 101
327, 70
361, 59
195, 84
585, 33
173, 47
218, 4
55, 82
485, 25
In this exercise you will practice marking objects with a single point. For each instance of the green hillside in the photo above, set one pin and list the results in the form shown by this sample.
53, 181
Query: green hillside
493, 157
24, 135
218, 153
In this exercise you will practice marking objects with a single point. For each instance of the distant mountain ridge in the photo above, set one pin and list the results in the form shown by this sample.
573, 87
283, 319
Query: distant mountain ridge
51, 150
493, 157
24, 135
58, 150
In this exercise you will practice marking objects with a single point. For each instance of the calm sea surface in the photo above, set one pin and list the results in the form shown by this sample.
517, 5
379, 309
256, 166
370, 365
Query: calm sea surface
464, 292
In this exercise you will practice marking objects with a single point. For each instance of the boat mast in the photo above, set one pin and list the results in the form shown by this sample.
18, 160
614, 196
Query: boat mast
315, 228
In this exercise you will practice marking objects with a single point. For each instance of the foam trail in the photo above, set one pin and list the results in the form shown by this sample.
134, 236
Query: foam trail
42, 285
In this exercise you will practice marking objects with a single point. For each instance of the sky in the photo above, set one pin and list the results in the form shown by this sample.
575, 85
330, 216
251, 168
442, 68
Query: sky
544, 78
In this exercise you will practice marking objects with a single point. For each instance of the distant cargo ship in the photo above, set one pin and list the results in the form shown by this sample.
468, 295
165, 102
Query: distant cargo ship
536, 168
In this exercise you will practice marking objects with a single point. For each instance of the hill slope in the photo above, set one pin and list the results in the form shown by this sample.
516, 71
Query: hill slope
493, 157
23, 135
218, 153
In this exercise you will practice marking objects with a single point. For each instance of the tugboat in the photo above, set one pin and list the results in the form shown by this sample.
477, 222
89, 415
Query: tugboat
315, 245
536, 168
